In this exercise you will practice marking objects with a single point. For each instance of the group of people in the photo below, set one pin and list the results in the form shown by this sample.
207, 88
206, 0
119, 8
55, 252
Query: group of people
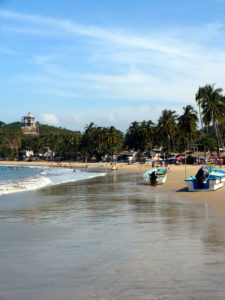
217, 161
11, 168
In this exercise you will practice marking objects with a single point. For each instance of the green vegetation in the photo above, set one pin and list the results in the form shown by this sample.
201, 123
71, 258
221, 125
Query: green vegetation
99, 141
212, 109
140, 136
207, 144
64, 144
171, 133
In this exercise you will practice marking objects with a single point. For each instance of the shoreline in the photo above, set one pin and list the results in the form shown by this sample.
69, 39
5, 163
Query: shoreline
176, 185
175, 179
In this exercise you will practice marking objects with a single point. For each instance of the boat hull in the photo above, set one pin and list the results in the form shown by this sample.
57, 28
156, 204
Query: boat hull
220, 173
161, 179
113, 169
210, 185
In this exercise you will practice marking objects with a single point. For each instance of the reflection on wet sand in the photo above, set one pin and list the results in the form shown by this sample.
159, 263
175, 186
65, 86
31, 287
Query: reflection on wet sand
109, 238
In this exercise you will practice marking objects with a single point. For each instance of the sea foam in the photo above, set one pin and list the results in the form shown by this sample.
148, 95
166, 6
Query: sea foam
27, 185
32, 178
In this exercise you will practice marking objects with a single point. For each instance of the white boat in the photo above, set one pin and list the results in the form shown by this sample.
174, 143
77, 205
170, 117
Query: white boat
218, 172
205, 180
155, 176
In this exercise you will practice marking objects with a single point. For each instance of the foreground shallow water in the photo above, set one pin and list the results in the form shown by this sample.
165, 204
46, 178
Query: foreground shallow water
109, 238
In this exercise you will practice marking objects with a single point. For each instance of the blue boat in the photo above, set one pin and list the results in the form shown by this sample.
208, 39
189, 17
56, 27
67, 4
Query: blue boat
206, 180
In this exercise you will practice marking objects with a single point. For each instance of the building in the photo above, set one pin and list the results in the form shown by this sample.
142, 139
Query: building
125, 156
29, 125
47, 154
193, 148
28, 153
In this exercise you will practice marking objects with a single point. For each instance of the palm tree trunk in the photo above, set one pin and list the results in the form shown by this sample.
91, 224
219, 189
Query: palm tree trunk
207, 128
217, 138
220, 139
203, 132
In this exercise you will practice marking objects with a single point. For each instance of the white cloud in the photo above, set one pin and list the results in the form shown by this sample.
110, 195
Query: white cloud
59, 93
119, 117
49, 118
76, 118
161, 68
111, 117
5, 50
138, 86
162, 43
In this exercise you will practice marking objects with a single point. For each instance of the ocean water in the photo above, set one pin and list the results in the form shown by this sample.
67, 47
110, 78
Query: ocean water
19, 178
109, 237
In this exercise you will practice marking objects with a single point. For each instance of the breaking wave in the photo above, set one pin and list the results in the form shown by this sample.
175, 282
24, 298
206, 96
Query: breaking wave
30, 184
33, 178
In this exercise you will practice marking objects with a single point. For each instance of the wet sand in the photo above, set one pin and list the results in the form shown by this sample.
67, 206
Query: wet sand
175, 179
175, 183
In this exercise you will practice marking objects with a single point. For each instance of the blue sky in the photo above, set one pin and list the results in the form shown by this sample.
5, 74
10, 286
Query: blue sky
107, 61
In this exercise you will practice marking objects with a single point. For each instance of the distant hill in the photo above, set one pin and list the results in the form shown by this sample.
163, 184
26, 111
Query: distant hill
58, 143
11, 134
46, 129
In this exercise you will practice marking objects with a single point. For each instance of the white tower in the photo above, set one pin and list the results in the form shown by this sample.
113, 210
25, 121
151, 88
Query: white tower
29, 125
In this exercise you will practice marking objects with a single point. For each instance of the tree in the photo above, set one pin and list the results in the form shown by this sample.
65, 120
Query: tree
6, 152
113, 139
99, 141
187, 124
212, 104
139, 136
207, 143
167, 128
147, 134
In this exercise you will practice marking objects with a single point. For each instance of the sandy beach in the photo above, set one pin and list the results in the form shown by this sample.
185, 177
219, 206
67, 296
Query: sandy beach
175, 183
175, 179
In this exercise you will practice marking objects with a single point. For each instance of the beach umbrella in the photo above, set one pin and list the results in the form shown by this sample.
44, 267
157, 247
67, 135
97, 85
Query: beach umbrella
153, 159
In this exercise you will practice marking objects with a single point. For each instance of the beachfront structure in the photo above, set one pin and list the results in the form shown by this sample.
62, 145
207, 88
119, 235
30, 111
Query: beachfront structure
156, 152
29, 125
193, 148
28, 153
126, 156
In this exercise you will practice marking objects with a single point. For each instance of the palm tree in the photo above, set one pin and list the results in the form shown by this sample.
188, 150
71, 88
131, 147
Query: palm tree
188, 123
114, 139
212, 104
167, 127
147, 134
198, 99
132, 138
87, 141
